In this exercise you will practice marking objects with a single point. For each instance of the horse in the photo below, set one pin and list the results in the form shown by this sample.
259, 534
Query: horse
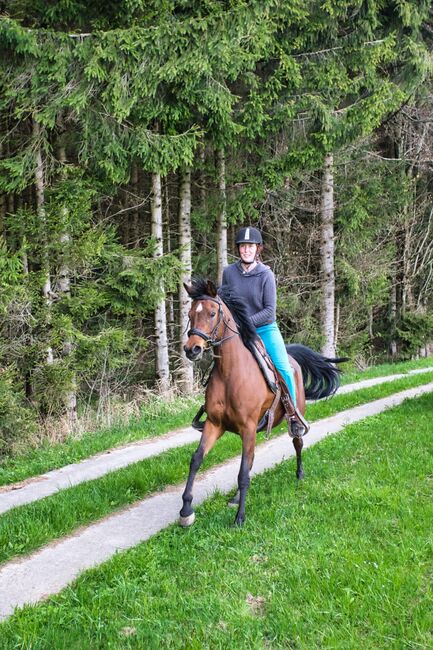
237, 395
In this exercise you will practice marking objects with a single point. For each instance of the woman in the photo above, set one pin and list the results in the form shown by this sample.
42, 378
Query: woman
254, 282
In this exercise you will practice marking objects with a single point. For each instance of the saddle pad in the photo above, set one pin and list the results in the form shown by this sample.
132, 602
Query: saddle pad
265, 364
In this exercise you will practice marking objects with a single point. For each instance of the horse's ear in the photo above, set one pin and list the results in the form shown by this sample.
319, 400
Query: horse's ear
188, 288
211, 289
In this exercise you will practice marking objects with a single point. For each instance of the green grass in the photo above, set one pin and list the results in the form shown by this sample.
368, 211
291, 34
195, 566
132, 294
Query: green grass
28, 527
382, 370
157, 418
343, 560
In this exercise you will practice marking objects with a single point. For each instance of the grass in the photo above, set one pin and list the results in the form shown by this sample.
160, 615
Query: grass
29, 527
343, 560
157, 418
384, 369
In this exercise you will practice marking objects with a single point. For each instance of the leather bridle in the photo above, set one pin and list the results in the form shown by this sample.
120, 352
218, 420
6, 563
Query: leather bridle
210, 338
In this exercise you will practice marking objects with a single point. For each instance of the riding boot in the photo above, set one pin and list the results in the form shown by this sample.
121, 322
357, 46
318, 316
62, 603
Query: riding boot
298, 425
297, 430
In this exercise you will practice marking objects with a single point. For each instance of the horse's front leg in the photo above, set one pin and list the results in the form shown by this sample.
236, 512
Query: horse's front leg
210, 435
248, 447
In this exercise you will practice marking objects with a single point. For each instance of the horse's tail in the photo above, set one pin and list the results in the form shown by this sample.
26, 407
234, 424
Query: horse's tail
321, 376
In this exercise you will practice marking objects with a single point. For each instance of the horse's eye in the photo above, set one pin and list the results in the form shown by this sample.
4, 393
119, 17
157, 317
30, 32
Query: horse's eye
212, 314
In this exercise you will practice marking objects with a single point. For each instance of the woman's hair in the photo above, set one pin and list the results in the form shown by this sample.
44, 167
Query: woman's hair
259, 251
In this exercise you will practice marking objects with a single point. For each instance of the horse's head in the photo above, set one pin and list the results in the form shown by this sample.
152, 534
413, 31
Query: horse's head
206, 317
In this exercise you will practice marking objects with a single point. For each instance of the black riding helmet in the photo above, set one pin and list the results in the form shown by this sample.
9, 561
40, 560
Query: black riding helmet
249, 235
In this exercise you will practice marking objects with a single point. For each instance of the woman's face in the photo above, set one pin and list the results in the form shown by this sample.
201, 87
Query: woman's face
248, 253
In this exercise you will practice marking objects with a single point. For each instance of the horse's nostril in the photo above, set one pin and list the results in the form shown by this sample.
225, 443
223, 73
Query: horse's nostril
192, 353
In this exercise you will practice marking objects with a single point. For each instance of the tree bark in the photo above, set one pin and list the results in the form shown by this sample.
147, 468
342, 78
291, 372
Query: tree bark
202, 185
64, 289
393, 317
327, 258
162, 358
134, 230
170, 297
186, 368
2, 203
222, 216
40, 207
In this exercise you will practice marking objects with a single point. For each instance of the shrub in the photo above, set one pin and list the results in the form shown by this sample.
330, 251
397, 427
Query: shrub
17, 421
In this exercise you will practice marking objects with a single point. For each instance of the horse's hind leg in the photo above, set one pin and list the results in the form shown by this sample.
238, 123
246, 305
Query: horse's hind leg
210, 435
298, 443
248, 446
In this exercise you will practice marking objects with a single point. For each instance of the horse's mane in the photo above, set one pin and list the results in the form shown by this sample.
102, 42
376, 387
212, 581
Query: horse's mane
199, 290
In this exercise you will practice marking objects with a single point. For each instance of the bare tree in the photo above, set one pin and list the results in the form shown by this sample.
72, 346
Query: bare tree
327, 257
222, 216
64, 289
162, 358
186, 368
40, 207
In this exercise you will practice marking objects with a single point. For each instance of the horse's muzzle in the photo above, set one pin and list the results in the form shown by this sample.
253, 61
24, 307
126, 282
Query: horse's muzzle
193, 353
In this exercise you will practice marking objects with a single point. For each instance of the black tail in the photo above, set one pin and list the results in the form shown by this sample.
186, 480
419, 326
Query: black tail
321, 377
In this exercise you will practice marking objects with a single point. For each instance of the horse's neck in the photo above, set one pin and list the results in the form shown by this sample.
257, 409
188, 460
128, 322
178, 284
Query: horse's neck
232, 354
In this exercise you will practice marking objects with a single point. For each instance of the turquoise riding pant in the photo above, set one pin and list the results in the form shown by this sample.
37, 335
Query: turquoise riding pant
274, 344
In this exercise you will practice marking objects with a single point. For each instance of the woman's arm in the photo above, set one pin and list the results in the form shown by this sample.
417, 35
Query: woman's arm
269, 312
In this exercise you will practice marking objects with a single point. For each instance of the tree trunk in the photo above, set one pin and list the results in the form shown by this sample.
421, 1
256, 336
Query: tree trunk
162, 359
170, 297
393, 318
64, 289
222, 216
186, 368
327, 258
202, 184
337, 324
2, 203
40, 207
134, 230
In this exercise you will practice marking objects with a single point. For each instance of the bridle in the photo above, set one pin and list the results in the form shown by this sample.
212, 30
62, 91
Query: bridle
210, 338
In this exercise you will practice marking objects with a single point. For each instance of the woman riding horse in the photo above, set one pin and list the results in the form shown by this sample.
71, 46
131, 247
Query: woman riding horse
237, 394
254, 283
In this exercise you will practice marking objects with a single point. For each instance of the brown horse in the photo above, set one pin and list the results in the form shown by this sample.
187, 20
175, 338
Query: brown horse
237, 395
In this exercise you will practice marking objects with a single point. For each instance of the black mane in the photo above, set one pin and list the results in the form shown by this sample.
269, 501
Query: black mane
234, 303
198, 289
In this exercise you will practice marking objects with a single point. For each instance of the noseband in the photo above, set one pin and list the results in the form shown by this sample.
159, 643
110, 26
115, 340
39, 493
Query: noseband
210, 338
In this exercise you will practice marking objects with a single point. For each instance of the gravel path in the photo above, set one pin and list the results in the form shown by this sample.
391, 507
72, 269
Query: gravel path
38, 487
46, 572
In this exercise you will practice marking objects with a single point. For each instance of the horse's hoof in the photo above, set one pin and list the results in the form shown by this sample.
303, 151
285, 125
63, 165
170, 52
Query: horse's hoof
300, 476
187, 521
239, 522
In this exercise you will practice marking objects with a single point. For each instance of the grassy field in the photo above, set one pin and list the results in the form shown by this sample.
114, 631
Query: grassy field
341, 560
29, 527
157, 418
381, 370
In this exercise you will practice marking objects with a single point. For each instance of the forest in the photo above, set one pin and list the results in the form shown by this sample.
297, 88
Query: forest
137, 136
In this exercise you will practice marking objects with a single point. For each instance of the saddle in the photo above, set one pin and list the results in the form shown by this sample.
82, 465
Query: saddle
297, 425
